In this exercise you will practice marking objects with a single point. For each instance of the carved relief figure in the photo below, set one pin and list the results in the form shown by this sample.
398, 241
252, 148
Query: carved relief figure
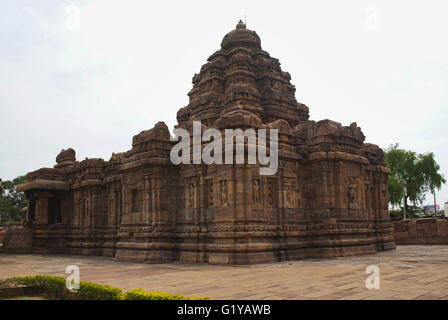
270, 192
291, 197
352, 193
224, 194
190, 195
193, 195
256, 191
209, 192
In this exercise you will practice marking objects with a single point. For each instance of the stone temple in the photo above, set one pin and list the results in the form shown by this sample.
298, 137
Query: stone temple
328, 198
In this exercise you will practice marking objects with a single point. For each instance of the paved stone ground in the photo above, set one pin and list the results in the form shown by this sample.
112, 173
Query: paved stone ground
410, 272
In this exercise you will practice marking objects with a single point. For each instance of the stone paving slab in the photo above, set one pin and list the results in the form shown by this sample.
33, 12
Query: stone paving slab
410, 272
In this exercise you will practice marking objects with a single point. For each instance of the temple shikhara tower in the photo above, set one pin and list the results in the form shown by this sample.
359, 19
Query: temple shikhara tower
328, 197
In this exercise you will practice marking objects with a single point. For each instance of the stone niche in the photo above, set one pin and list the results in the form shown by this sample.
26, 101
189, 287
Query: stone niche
328, 197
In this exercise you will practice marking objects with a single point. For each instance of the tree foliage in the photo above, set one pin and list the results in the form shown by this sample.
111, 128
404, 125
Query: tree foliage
12, 201
432, 178
412, 175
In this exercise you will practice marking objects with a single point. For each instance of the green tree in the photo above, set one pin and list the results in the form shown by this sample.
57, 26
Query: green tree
433, 179
395, 190
407, 181
12, 201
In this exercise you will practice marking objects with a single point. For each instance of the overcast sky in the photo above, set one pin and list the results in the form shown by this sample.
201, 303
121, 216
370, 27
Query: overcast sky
91, 74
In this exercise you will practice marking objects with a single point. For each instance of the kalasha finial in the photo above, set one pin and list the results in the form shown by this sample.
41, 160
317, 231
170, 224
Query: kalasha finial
241, 25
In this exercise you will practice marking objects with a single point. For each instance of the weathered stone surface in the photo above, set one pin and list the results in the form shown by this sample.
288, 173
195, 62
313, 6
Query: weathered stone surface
66, 158
2, 235
328, 197
18, 240
44, 185
421, 231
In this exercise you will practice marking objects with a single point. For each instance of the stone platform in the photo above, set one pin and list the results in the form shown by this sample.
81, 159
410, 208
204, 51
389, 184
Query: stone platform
410, 272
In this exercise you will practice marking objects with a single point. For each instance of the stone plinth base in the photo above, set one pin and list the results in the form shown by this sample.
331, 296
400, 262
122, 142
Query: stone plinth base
18, 240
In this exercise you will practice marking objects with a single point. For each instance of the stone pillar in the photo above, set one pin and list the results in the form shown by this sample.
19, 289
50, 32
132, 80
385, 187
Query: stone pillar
42, 210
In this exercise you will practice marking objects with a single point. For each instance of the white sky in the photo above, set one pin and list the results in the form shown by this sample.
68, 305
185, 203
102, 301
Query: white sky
94, 82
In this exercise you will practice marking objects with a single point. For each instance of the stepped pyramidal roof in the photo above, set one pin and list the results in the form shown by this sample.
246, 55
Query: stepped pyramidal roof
242, 76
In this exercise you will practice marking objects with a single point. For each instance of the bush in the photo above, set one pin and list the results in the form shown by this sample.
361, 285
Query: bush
140, 294
51, 285
94, 291
8, 283
55, 287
